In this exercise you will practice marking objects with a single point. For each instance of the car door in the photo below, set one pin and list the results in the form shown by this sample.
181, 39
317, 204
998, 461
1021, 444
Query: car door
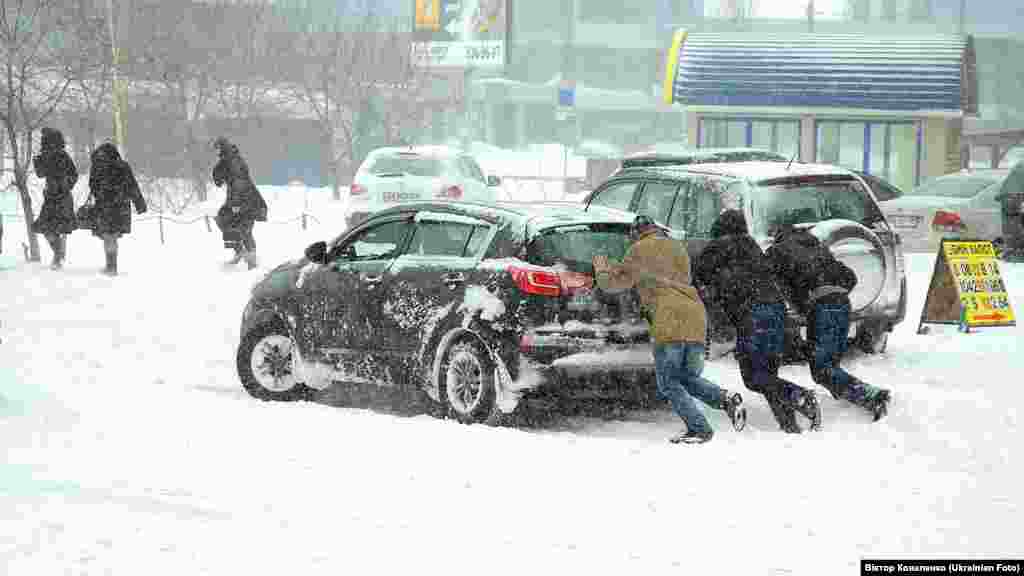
429, 280
345, 291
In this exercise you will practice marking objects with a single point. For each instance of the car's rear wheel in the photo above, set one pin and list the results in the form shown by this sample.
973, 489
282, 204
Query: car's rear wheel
267, 361
467, 382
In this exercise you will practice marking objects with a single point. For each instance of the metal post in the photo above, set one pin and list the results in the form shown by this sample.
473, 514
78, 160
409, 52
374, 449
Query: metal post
160, 217
963, 16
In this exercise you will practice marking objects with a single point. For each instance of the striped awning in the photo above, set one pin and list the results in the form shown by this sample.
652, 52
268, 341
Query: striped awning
881, 73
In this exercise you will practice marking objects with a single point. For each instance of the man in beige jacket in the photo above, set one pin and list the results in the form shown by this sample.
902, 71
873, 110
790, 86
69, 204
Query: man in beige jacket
659, 268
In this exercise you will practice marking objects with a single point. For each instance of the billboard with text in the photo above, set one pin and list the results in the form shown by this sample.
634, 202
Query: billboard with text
460, 33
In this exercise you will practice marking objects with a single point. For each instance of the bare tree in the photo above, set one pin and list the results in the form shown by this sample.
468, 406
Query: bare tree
350, 66
173, 57
42, 55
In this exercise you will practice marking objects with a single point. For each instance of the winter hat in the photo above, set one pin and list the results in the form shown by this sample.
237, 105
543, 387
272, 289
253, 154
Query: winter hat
51, 139
729, 222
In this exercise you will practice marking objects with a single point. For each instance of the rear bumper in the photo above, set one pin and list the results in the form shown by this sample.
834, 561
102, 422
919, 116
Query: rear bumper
623, 375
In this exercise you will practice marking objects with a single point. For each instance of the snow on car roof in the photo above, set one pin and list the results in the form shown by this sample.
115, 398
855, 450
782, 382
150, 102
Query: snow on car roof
759, 170
425, 150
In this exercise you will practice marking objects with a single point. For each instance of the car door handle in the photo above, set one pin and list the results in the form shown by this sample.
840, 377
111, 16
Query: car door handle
453, 278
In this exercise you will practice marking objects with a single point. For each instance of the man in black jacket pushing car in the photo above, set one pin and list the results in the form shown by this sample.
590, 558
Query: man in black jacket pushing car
734, 274
819, 286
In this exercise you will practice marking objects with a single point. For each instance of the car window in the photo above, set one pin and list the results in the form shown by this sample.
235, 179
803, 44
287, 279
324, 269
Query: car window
574, 246
471, 168
441, 238
700, 203
406, 163
477, 241
617, 196
380, 242
656, 200
955, 187
804, 201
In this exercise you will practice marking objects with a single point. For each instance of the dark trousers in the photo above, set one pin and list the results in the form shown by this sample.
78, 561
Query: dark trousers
236, 230
828, 327
759, 346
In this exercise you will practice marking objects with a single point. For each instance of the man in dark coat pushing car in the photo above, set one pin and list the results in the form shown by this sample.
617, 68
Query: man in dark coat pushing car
819, 286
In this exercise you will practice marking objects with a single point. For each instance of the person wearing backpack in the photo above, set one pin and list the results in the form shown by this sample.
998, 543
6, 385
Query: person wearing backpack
57, 216
819, 286
113, 191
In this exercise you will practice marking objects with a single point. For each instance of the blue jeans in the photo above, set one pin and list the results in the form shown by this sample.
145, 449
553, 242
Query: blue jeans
759, 345
828, 329
678, 366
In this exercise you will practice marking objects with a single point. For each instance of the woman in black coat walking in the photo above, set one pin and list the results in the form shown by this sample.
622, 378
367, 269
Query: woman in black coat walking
113, 191
243, 204
57, 216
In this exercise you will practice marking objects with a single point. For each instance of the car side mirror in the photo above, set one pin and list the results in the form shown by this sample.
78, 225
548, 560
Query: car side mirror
493, 181
317, 252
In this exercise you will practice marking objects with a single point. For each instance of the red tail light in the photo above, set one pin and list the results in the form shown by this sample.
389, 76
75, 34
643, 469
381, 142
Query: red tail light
536, 280
451, 192
356, 190
948, 222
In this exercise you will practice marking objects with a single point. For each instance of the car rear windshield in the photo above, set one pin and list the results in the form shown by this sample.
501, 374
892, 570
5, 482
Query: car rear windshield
575, 246
414, 164
958, 187
803, 201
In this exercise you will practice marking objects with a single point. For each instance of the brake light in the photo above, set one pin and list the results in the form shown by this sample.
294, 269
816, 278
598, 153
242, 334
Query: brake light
533, 280
451, 192
356, 190
947, 222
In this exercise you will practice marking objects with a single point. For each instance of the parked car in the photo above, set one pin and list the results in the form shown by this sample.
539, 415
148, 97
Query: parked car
682, 156
652, 158
833, 202
880, 187
962, 204
474, 306
389, 176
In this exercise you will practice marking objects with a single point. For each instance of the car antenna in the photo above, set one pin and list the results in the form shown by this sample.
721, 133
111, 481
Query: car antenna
791, 159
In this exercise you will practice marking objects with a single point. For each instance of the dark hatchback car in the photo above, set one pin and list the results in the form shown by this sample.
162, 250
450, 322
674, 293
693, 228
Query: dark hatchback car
473, 307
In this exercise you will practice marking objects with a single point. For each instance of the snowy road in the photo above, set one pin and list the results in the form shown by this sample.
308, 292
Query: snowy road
129, 448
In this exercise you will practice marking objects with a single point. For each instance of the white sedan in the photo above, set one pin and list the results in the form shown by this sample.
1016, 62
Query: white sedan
394, 175
958, 205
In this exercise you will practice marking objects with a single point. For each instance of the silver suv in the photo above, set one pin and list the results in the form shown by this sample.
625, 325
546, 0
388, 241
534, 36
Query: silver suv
835, 203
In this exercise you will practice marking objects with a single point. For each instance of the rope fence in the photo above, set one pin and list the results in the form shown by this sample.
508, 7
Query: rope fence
160, 218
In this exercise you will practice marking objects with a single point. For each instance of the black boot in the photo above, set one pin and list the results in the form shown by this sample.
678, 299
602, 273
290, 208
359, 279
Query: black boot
732, 403
807, 404
784, 414
54, 242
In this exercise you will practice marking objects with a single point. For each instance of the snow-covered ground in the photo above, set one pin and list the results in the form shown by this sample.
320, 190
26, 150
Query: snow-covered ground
129, 447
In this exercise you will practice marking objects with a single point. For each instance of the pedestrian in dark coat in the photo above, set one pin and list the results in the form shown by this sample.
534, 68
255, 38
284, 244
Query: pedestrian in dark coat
734, 273
113, 191
659, 268
243, 203
819, 286
57, 216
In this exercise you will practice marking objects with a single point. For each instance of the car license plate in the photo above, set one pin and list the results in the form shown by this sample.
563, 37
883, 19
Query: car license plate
581, 299
906, 222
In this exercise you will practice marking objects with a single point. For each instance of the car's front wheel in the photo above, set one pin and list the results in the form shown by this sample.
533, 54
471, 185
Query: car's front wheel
267, 361
467, 382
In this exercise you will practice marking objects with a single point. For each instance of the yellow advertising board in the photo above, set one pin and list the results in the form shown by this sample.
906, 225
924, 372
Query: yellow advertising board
966, 288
